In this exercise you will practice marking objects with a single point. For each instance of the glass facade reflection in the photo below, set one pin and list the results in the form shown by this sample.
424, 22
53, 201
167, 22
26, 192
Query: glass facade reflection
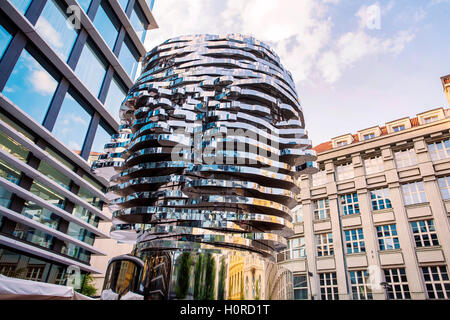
31, 86
53, 27
47, 170
107, 24
5, 38
55, 82
101, 138
21, 5
138, 21
92, 69
123, 4
128, 58
84, 4
114, 99
42, 215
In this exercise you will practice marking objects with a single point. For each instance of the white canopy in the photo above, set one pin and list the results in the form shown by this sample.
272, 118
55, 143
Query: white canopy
19, 289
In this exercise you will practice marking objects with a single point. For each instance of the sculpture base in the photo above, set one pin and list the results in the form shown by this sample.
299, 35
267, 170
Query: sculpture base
224, 274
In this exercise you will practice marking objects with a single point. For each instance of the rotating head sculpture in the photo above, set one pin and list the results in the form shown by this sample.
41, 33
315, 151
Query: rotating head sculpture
211, 145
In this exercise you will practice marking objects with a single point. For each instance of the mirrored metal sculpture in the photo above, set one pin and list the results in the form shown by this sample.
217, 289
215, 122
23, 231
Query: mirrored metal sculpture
204, 171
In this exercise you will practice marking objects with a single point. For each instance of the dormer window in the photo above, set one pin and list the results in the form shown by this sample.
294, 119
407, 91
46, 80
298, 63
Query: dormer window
342, 140
431, 116
398, 128
369, 136
430, 119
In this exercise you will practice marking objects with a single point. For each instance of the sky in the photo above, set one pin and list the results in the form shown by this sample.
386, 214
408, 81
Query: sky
356, 63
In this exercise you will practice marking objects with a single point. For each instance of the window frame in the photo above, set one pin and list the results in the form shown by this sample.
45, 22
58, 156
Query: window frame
324, 244
387, 237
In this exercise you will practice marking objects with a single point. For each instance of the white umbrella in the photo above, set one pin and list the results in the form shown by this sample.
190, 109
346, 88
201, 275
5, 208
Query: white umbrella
19, 289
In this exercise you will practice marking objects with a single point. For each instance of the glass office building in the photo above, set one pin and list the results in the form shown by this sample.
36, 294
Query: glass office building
65, 67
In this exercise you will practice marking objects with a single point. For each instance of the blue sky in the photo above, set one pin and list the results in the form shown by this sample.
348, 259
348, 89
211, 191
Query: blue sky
349, 75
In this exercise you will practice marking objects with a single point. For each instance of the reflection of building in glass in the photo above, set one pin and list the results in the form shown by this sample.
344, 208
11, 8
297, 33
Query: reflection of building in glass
61, 89
378, 209
207, 160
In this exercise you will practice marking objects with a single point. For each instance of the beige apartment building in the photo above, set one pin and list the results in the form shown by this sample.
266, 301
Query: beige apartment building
373, 223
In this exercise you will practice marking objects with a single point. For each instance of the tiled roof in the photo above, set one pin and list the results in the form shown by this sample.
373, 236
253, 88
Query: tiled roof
325, 146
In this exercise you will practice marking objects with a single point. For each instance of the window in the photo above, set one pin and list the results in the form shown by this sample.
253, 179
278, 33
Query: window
398, 128
33, 236
84, 4
369, 136
21, 5
324, 244
328, 286
380, 199
91, 68
360, 285
5, 199
439, 150
85, 215
129, 57
30, 86
53, 27
298, 214
388, 237
13, 123
13, 147
344, 171
101, 138
321, 209
41, 215
93, 183
341, 143
405, 158
114, 98
319, 178
398, 283
72, 122
349, 204
424, 233
107, 23
139, 22
47, 170
430, 119
354, 241
437, 282
78, 232
90, 198
123, 4
374, 165
60, 159
414, 193
9, 172
444, 185
300, 287
47, 194
5, 39
76, 252
295, 249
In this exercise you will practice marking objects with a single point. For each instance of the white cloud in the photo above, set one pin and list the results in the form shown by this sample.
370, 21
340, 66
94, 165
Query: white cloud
354, 46
49, 33
42, 82
300, 32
